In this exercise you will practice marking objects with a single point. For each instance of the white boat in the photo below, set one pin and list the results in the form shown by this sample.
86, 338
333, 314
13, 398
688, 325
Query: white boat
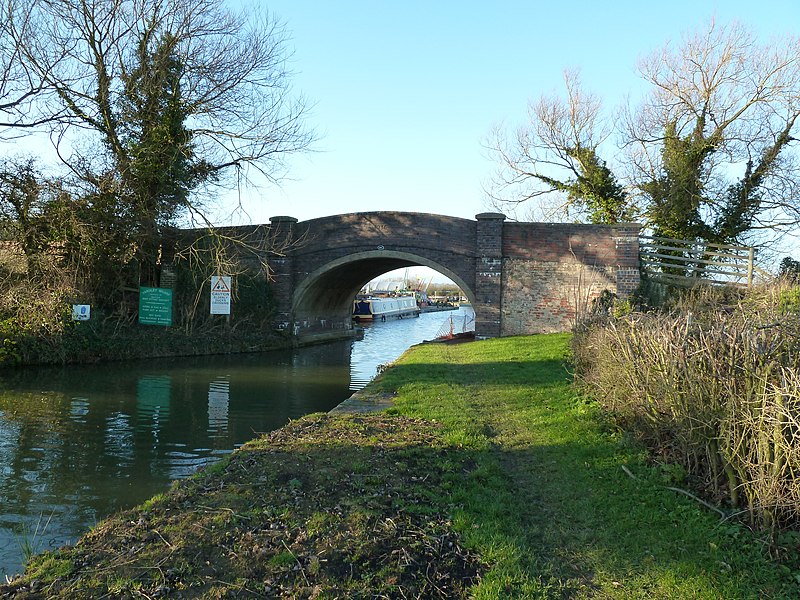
370, 309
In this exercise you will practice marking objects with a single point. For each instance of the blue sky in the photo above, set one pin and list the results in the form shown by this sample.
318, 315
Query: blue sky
405, 93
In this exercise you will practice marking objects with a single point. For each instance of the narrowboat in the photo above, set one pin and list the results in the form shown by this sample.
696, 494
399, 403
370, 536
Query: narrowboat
371, 309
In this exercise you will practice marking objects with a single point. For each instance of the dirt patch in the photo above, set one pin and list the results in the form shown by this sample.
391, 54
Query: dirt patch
331, 506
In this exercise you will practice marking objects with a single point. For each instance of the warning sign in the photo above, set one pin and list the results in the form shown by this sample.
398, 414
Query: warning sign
220, 295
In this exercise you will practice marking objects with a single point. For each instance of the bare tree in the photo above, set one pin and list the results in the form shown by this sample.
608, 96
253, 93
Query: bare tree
19, 87
235, 84
555, 157
710, 147
708, 155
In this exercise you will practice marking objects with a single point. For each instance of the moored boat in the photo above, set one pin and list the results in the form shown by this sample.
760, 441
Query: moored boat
370, 308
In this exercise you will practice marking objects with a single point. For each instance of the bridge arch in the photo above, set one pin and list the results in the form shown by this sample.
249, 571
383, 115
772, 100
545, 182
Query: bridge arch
521, 278
331, 288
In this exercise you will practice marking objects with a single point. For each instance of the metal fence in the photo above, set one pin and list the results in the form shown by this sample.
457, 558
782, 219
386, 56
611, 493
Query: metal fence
455, 325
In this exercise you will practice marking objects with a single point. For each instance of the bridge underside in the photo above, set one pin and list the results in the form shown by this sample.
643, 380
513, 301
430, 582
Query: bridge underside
329, 296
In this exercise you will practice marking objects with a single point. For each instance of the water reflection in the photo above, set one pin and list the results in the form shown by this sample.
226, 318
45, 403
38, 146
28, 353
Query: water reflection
152, 402
384, 342
70, 458
79, 408
119, 438
81, 442
218, 399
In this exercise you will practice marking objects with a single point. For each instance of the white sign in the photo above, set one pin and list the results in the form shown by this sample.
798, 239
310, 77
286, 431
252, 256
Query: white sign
220, 295
81, 312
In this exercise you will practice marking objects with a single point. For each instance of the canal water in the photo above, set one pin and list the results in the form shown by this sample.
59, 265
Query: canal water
78, 443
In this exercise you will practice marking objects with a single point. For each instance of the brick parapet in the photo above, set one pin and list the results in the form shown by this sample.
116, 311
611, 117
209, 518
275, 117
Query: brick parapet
626, 240
522, 277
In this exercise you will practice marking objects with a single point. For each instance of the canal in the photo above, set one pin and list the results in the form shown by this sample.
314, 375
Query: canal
81, 442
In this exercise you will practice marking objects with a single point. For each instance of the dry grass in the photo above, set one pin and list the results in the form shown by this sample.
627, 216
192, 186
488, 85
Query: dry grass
711, 385
326, 507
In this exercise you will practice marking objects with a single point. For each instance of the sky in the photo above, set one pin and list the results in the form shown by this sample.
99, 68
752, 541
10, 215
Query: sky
404, 94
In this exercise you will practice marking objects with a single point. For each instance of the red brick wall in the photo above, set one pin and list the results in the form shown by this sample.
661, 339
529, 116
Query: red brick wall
552, 272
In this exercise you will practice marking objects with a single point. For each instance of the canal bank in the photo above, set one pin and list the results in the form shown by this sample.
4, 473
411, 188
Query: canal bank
93, 343
80, 442
487, 477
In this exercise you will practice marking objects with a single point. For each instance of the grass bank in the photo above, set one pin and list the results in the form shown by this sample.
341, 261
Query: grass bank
488, 478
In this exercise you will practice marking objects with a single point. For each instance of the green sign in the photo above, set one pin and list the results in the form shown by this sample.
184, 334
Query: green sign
155, 306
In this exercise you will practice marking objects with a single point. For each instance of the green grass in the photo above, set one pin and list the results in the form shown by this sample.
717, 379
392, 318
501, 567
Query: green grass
548, 503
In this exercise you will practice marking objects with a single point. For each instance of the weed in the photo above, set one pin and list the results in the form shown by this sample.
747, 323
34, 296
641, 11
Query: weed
283, 559
317, 523
672, 474
48, 567
712, 388
789, 300
30, 542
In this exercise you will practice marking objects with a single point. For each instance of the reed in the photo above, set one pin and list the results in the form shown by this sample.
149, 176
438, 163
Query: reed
711, 384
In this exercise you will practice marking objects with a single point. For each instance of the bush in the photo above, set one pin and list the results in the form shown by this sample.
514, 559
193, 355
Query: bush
711, 385
33, 320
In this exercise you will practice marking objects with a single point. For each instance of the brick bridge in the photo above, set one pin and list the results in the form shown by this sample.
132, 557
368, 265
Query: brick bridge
521, 278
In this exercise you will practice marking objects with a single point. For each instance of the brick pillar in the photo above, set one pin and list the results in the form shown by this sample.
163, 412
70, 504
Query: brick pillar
626, 241
488, 274
279, 262
167, 277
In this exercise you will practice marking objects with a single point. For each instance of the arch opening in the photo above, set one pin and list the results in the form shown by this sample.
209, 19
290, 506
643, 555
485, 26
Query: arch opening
324, 299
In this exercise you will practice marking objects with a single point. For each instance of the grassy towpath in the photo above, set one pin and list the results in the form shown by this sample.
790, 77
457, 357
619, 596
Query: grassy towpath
549, 504
487, 478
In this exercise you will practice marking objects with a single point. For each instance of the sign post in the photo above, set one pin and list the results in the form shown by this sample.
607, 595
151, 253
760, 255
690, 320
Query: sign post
155, 306
220, 295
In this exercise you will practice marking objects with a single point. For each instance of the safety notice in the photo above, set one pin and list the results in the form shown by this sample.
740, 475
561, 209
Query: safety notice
220, 295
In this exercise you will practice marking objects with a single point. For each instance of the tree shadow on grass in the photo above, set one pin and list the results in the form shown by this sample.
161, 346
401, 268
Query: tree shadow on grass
521, 372
581, 527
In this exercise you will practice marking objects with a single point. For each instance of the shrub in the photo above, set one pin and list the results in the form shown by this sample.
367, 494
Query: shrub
711, 385
33, 321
